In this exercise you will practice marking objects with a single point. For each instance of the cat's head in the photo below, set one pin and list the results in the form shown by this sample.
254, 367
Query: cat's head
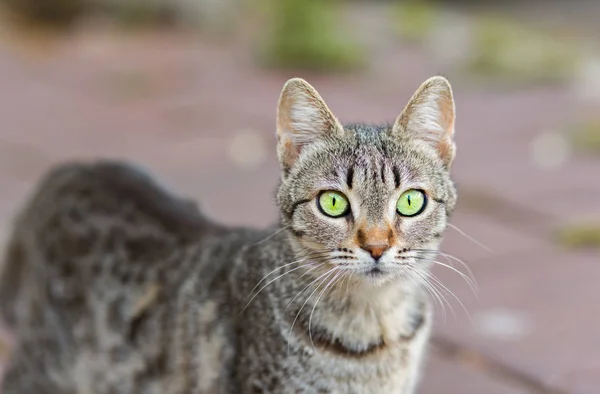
370, 201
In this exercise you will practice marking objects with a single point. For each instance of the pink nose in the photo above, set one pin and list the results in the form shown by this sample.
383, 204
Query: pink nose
376, 251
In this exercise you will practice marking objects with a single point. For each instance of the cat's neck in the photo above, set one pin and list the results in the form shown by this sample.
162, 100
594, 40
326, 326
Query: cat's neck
350, 317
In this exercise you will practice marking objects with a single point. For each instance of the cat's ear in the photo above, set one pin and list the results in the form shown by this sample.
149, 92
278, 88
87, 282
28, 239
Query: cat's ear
429, 116
302, 117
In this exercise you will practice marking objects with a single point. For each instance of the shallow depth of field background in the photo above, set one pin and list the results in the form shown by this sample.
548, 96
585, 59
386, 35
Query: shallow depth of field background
188, 88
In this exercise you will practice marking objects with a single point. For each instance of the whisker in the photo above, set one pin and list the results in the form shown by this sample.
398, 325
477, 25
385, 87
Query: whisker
461, 262
333, 280
448, 256
272, 272
438, 298
270, 236
271, 281
476, 242
439, 282
306, 287
308, 256
348, 275
326, 275
469, 281
454, 258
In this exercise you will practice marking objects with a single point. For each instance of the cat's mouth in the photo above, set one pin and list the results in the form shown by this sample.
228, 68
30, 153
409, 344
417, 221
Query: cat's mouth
374, 272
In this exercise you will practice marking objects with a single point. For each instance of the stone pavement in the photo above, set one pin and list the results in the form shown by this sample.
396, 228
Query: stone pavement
201, 116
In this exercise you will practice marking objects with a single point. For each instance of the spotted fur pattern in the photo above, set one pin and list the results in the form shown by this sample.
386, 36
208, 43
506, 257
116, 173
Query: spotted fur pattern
114, 285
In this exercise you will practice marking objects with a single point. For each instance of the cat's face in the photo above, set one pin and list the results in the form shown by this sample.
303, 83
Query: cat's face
371, 202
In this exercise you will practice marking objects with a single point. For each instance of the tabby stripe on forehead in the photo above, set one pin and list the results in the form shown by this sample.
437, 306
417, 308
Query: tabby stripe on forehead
396, 177
295, 205
350, 177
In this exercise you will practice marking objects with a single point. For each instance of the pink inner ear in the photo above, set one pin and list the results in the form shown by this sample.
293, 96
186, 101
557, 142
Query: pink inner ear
446, 107
445, 146
290, 152
446, 150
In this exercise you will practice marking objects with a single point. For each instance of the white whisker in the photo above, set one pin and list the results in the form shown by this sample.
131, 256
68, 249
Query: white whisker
439, 283
348, 275
309, 256
326, 275
271, 281
271, 235
333, 280
467, 279
438, 298
454, 258
306, 287
476, 242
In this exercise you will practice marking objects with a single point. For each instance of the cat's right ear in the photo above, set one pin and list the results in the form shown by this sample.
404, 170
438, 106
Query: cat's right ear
302, 118
429, 117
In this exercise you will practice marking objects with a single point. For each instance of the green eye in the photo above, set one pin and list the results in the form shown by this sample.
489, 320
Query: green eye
411, 203
333, 204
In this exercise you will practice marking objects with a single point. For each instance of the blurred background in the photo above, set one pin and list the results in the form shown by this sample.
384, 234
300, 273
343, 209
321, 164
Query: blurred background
188, 88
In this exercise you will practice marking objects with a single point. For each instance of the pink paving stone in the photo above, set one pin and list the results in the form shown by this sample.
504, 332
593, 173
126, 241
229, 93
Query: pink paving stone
555, 292
476, 238
236, 197
518, 179
449, 377
583, 200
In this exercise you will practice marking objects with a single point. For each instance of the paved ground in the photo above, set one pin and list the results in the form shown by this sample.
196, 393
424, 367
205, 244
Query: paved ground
201, 117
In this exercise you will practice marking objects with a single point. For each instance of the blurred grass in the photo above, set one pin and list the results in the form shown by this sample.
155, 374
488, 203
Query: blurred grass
306, 34
586, 137
414, 19
580, 236
507, 49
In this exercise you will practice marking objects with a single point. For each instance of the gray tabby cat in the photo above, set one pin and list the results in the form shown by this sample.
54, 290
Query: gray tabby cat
113, 285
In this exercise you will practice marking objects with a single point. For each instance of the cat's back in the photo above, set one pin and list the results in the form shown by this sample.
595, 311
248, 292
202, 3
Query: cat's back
106, 193
105, 223
96, 256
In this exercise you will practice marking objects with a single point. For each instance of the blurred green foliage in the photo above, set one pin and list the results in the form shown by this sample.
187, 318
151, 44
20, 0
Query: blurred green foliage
62, 14
54, 13
580, 236
306, 34
414, 19
586, 136
131, 84
139, 13
503, 48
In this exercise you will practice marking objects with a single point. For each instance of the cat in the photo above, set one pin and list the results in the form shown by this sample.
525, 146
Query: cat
112, 284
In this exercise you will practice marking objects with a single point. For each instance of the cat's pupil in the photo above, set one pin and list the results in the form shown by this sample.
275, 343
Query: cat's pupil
408, 200
333, 202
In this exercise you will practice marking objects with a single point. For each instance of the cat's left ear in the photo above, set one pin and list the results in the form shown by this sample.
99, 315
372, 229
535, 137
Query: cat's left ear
302, 118
430, 116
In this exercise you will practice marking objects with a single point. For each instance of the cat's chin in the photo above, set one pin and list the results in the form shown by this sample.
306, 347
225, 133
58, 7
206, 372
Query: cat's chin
376, 276
375, 272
